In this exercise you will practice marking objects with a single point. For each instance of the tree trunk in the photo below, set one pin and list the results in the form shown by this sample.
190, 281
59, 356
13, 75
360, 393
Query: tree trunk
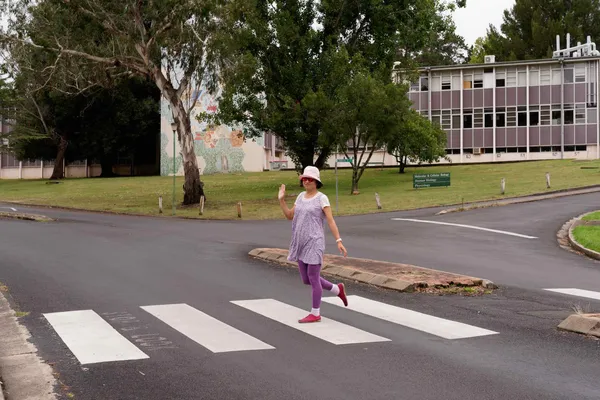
58, 172
106, 163
354, 180
402, 164
320, 163
193, 188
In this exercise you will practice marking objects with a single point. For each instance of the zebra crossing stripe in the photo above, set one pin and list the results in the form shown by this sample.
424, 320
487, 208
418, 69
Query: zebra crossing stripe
578, 292
328, 329
91, 339
205, 330
427, 323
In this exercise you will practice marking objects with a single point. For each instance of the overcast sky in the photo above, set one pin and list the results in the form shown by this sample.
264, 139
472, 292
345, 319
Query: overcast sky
473, 21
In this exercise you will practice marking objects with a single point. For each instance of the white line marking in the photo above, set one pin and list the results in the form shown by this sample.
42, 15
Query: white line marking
328, 330
12, 208
412, 319
465, 226
205, 330
91, 338
578, 292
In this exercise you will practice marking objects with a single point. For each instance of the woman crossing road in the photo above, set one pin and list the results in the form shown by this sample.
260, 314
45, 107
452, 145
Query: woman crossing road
309, 213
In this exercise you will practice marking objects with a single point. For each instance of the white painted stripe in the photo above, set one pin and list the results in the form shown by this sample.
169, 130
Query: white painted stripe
328, 330
91, 338
436, 326
465, 226
205, 330
578, 292
12, 208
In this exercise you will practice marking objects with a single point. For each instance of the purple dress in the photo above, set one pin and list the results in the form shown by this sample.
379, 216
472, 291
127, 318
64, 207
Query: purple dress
308, 236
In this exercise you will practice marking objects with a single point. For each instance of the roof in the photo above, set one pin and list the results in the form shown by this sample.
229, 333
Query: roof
508, 63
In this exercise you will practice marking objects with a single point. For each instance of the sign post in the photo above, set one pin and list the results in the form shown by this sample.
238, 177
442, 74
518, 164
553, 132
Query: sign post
337, 149
441, 179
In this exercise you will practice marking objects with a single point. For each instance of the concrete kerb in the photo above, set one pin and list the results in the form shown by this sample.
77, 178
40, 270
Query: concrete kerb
586, 324
369, 278
24, 374
576, 245
521, 199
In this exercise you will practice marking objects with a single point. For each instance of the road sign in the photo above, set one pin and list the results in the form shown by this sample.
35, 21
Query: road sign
344, 160
431, 180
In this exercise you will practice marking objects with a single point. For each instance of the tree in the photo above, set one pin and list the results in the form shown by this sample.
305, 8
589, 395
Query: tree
369, 112
417, 140
173, 42
290, 52
530, 27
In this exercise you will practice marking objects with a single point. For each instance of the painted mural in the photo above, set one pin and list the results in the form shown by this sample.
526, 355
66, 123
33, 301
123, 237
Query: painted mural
219, 148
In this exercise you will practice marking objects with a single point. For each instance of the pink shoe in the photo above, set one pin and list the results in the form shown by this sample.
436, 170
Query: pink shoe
342, 294
310, 318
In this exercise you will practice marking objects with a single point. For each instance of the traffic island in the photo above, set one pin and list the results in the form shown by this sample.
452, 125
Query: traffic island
387, 275
586, 324
584, 234
26, 217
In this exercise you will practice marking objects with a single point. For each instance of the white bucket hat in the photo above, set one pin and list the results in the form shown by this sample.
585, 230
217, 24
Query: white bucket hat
312, 172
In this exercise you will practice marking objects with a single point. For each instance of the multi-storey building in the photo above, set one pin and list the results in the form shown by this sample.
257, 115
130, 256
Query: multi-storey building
510, 111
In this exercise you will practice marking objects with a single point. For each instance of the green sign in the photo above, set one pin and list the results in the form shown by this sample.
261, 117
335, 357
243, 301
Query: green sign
431, 180
344, 160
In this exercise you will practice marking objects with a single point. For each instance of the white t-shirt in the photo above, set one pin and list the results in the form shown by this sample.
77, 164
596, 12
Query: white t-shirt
324, 200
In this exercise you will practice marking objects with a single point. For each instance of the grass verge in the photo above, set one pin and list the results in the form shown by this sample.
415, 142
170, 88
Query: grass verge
592, 217
588, 236
258, 191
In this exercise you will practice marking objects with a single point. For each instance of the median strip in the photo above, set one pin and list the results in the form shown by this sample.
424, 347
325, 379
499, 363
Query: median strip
387, 275
26, 217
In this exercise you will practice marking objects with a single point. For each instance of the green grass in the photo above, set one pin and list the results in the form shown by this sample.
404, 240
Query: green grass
588, 236
258, 191
592, 217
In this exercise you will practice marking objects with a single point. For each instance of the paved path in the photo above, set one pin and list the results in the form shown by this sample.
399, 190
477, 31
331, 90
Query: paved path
130, 308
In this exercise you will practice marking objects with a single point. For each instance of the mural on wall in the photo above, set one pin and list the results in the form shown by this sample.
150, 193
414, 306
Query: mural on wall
220, 147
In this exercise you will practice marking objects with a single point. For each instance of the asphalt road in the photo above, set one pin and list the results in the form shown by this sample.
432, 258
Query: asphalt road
115, 265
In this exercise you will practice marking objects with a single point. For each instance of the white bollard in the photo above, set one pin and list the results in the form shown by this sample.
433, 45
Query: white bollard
201, 205
548, 180
377, 200
160, 209
503, 185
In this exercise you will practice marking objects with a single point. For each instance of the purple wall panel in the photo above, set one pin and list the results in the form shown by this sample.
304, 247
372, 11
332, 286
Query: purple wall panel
436, 100
534, 95
456, 139
580, 92
488, 138
500, 97
478, 138
500, 137
545, 135
580, 134
545, 95
456, 99
446, 100
511, 96
556, 94
569, 135
468, 138
468, 98
534, 136
569, 93
592, 136
511, 137
522, 137
488, 98
556, 135
521, 96
424, 101
477, 98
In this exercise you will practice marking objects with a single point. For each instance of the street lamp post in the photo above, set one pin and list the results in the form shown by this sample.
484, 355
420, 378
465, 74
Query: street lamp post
174, 128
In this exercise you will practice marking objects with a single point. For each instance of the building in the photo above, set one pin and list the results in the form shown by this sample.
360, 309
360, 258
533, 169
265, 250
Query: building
513, 111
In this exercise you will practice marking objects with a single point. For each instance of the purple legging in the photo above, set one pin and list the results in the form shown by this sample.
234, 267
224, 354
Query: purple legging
310, 274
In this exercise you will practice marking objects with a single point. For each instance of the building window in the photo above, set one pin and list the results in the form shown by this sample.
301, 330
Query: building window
436, 84
534, 118
511, 116
500, 79
579, 114
446, 119
579, 72
545, 114
500, 120
592, 115
569, 117
424, 84
436, 118
467, 81
569, 75
556, 77
534, 78
511, 77
545, 76
446, 82
489, 118
522, 78
455, 121
468, 121
456, 82
478, 118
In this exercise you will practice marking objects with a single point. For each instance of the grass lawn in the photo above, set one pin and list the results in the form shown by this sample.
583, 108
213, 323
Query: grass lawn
588, 237
258, 191
592, 217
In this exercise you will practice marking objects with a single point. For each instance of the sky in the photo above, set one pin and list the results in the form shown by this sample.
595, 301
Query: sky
473, 20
